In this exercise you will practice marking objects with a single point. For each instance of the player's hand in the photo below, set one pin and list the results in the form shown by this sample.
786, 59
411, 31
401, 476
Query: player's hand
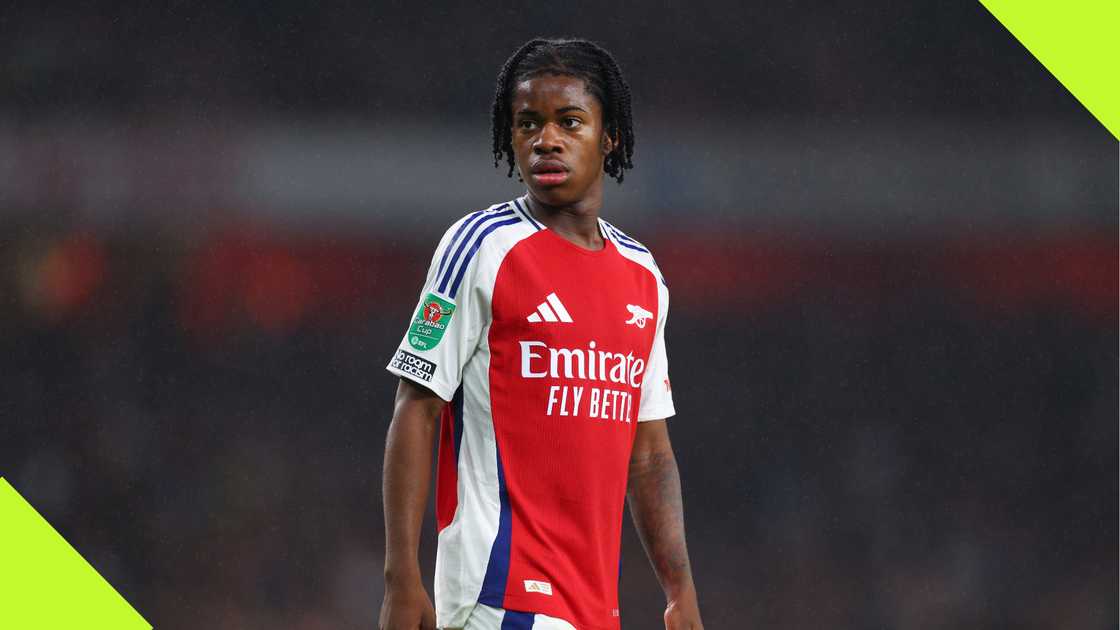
683, 613
407, 608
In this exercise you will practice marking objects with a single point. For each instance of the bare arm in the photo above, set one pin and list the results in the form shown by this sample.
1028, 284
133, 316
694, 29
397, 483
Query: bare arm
654, 494
405, 480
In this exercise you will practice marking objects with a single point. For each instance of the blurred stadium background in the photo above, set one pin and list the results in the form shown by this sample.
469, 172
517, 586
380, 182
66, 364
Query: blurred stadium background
890, 236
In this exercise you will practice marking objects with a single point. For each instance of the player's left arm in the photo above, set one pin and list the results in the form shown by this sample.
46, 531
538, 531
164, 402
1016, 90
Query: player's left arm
654, 495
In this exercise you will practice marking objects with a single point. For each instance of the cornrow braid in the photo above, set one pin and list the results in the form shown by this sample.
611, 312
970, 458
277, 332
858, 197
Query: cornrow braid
571, 57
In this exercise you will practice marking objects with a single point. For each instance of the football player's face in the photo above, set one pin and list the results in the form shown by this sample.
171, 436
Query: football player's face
558, 138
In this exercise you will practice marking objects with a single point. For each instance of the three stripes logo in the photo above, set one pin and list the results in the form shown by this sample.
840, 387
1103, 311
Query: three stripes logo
537, 586
550, 310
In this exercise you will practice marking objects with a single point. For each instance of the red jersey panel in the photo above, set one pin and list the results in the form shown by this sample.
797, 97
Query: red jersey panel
567, 360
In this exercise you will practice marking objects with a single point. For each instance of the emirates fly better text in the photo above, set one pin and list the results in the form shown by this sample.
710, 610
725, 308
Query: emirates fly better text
602, 403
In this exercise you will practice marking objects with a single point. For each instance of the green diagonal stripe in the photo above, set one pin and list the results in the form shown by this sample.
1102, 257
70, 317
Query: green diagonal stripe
45, 584
1078, 42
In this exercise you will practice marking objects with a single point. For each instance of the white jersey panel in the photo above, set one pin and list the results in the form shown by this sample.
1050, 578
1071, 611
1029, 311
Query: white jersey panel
463, 273
464, 545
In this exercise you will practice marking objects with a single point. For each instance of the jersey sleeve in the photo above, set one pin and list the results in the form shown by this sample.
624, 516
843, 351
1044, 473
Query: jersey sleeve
443, 332
657, 395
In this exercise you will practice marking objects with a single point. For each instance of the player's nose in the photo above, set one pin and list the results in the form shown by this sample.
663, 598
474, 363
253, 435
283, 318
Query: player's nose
549, 139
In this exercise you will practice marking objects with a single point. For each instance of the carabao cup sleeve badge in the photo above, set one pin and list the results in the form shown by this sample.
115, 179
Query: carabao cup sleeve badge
431, 322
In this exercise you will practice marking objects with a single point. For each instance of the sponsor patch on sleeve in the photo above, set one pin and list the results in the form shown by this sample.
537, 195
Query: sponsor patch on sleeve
409, 363
430, 323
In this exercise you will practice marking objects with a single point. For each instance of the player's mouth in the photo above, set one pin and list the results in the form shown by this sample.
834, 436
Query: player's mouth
549, 172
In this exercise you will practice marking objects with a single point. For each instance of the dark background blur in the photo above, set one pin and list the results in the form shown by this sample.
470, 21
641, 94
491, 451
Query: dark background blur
889, 233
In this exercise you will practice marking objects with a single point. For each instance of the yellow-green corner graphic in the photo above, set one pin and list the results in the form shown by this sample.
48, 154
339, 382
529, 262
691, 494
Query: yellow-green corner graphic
45, 583
1078, 42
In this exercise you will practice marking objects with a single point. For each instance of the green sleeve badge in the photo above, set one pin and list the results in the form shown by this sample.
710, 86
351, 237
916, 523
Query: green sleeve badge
430, 322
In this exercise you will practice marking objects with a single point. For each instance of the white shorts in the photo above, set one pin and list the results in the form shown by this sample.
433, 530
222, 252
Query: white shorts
485, 617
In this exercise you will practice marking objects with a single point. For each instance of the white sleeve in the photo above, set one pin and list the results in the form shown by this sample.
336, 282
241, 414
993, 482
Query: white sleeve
443, 332
657, 395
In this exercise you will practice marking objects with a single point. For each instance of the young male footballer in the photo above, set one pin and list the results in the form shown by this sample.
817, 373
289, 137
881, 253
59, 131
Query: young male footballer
539, 345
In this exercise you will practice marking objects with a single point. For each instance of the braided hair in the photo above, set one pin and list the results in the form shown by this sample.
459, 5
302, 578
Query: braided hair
577, 58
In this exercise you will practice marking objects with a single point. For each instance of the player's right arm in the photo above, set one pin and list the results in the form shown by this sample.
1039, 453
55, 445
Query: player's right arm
405, 481
445, 329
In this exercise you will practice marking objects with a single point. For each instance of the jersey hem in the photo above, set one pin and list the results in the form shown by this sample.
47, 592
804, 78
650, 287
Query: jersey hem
517, 604
658, 413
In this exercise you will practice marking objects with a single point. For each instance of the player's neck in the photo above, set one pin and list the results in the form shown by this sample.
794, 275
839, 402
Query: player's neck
578, 222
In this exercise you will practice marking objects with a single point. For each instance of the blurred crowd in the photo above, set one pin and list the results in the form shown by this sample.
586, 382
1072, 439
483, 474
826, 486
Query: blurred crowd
872, 59
863, 443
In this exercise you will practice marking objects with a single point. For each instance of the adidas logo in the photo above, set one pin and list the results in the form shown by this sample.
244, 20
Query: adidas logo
550, 310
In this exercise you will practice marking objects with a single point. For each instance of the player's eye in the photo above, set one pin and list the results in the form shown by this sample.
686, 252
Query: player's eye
571, 122
527, 124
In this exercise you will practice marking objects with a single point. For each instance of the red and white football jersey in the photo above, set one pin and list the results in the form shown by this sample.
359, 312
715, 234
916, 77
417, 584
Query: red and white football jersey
548, 355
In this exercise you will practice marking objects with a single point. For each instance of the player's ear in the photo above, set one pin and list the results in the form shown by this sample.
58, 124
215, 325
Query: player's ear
609, 143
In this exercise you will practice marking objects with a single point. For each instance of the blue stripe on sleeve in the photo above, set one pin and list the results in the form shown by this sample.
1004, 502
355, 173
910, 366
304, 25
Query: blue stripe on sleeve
637, 249
474, 248
451, 244
618, 237
621, 235
463, 244
624, 240
525, 212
